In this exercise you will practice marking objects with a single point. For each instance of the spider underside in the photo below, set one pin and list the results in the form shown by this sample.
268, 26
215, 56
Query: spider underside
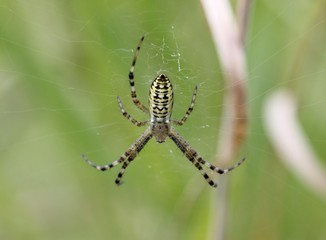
160, 126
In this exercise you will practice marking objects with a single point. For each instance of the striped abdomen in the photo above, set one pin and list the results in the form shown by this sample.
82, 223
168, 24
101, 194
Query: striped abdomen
161, 99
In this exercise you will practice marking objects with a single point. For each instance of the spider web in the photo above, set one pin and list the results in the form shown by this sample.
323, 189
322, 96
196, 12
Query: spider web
60, 77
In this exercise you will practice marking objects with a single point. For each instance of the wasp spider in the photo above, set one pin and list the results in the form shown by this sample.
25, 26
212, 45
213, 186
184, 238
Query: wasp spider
160, 126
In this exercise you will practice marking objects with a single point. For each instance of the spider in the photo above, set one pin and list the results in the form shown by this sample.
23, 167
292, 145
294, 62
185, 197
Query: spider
160, 126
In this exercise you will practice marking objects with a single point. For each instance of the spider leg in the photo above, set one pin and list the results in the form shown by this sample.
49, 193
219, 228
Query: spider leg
133, 151
203, 173
217, 169
125, 158
190, 153
107, 166
131, 79
190, 109
122, 171
128, 116
197, 160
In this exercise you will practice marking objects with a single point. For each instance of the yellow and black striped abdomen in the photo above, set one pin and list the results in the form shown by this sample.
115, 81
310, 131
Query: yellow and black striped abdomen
161, 99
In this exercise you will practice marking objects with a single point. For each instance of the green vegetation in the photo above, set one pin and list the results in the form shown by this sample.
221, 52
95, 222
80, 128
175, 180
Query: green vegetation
62, 64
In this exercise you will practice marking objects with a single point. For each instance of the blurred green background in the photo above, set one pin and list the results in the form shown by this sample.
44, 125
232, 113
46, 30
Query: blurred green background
62, 64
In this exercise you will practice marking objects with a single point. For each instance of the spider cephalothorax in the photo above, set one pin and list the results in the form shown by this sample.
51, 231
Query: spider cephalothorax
160, 125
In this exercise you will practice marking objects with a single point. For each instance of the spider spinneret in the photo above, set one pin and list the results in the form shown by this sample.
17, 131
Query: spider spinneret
160, 126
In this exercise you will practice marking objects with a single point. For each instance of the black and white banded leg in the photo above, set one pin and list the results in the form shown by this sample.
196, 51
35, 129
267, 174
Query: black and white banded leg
190, 153
132, 81
197, 160
217, 169
125, 158
189, 111
128, 116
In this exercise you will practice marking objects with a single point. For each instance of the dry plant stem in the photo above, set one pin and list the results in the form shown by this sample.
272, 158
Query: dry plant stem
229, 38
243, 15
290, 141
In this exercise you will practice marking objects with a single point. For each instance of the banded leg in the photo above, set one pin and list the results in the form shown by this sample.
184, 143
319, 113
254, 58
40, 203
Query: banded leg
121, 172
190, 153
132, 81
107, 166
132, 152
203, 173
190, 109
128, 116
219, 170
125, 158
